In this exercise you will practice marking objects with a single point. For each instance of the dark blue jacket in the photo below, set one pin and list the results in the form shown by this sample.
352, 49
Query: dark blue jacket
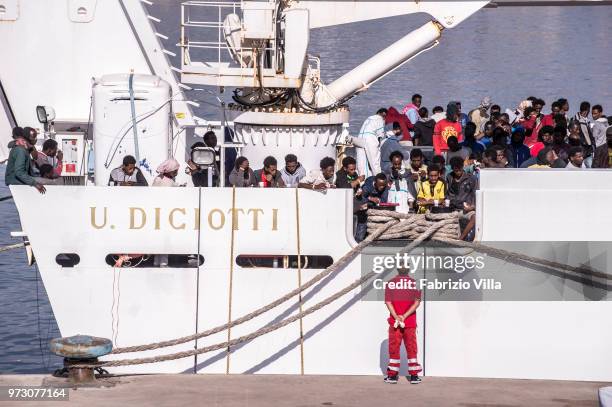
370, 191
474, 146
519, 153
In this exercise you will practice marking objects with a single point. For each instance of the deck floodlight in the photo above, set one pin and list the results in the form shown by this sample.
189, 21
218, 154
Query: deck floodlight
203, 156
46, 114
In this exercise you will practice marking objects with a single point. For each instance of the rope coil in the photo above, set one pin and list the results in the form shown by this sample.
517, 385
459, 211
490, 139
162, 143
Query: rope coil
411, 225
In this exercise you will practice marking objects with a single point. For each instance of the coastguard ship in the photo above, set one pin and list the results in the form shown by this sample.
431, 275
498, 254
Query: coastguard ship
99, 82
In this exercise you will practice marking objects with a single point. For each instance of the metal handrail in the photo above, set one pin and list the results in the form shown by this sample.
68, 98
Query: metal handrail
203, 24
205, 3
223, 8
186, 23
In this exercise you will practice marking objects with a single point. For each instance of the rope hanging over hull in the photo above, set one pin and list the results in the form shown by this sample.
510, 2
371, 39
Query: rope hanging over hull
283, 323
382, 225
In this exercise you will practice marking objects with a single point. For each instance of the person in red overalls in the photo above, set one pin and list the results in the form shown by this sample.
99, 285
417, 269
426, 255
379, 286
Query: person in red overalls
402, 300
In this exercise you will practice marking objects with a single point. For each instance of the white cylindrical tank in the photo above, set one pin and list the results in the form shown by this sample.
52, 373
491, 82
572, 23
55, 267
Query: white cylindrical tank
113, 135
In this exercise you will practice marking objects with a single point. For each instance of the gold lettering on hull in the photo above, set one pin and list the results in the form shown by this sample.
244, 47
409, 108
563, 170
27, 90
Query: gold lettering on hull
220, 224
180, 218
274, 219
157, 216
92, 217
171, 218
143, 218
256, 212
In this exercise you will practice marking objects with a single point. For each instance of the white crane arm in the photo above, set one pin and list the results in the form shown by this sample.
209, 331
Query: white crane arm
449, 13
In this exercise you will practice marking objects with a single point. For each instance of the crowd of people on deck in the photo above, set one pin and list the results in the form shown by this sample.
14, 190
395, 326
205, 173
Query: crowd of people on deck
408, 161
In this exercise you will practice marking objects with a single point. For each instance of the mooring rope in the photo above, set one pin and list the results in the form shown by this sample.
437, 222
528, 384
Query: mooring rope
514, 257
412, 225
439, 227
270, 328
337, 266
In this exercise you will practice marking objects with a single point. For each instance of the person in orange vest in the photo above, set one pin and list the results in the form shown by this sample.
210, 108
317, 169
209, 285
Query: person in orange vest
402, 299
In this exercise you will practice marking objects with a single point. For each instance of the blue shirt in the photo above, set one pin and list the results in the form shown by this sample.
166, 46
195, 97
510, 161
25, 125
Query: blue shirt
369, 190
474, 146
412, 116
463, 119
485, 141
520, 154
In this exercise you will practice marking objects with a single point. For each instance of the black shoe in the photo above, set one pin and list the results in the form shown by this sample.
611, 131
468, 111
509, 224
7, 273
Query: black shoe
391, 379
415, 379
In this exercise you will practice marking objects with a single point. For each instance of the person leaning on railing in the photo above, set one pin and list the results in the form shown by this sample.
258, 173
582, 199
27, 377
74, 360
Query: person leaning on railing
375, 191
242, 175
432, 192
269, 176
461, 193
293, 171
127, 174
348, 178
322, 179
19, 165
167, 172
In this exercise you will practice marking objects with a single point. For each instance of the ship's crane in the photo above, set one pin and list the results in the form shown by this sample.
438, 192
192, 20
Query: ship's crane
268, 46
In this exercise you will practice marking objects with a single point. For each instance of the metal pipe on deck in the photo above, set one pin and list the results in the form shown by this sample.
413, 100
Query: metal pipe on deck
385, 61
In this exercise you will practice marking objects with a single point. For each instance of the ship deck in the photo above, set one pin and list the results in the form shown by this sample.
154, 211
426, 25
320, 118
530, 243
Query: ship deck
303, 391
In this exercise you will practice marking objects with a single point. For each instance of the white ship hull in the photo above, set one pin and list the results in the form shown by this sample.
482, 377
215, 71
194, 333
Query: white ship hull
530, 340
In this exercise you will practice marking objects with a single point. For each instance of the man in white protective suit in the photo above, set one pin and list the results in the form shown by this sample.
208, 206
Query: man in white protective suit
372, 132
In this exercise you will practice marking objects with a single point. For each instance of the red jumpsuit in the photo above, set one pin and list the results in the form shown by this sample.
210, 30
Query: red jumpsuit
402, 300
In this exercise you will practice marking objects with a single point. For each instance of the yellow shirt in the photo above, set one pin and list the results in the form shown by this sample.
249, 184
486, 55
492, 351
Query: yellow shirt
425, 193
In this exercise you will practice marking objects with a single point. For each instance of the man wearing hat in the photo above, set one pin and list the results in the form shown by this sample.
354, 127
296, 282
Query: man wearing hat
480, 116
19, 165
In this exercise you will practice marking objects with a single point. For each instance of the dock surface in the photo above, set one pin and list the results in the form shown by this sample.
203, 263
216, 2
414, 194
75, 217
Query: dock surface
316, 391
